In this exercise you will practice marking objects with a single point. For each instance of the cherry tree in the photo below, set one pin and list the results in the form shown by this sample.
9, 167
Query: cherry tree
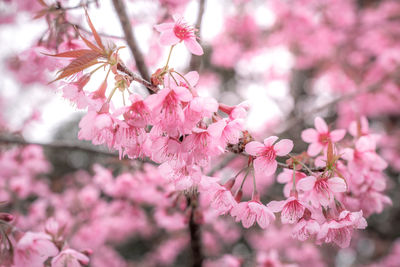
182, 164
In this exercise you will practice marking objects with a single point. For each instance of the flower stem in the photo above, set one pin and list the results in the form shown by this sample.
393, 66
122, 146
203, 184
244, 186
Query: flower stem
169, 57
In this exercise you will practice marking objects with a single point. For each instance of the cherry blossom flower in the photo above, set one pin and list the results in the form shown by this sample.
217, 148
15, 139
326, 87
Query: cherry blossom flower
340, 230
71, 258
319, 137
97, 127
252, 211
223, 201
33, 249
266, 153
292, 209
167, 108
304, 229
173, 33
321, 190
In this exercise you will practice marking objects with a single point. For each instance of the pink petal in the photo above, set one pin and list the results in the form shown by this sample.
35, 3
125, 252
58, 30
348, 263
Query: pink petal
215, 129
337, 135
337, 184
309, 135
253, 148
320, 125
314, 149
283, 147
270, 167
365, 143
164, 26
270, 140
194, 47
168, 38
306, 184
276, 206
183, 94
192, 77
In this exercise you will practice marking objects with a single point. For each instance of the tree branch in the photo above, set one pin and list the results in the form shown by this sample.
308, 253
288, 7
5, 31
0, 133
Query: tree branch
79, 27
64, 145
152, 88
294, 121
195, 232
120, 8
196, 60
67, 145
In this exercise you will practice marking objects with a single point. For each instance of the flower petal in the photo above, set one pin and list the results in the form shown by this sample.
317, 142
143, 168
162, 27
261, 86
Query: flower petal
164, 26
253, 148
314, 149
168, 38
193, 46
270, 140
337, 135
192, 77
320, 125
337, 184
309, 135
283, 147
276, 206
306, 183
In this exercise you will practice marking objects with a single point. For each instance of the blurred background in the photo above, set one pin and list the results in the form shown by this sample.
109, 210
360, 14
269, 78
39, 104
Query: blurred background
290, 60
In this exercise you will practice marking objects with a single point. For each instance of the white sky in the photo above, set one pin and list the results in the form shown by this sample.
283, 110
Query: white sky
266, 100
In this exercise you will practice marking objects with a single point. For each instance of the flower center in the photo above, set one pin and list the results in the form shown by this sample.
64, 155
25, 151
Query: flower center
323, 138
183, 31
269, 153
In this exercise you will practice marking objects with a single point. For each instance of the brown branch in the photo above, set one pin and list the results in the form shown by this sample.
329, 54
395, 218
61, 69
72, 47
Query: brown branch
89, 32
120, 8
294, 121
67, 145
152, 88
195, 231
64, 145
195, 61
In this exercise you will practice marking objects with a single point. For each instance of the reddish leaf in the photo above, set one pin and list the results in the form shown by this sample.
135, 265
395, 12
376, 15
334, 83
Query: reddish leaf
101, 92
90, 44
40, 13
42, 3
78, 64
72, 54
95, 34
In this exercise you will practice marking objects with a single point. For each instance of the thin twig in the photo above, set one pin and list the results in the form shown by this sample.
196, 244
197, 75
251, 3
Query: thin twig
120, 8
152, 88
89, 32
68, 145
294, 121
64, 145
195, 231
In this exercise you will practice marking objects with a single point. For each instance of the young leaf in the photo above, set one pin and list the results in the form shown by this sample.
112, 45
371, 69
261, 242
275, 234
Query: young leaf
91, 45
42, 3
95, 34
71, 54
78, 64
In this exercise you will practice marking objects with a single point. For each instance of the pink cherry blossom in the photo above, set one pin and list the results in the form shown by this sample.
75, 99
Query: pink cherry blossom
252, 211
292, 209
223, 201
173, 33
321, 190
71, 258
265, 154
33, 249
98, 127
319, 137
340, 230
304, 229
